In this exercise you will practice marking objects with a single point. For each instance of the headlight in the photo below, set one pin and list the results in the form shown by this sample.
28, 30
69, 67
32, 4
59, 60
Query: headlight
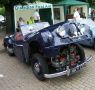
47, 37
6, 37
61, 31
10, 41
83, 29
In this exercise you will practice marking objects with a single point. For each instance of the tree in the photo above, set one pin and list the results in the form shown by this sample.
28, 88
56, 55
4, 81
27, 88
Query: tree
9, 13
91, 2
2, 11
9, 4
51, 1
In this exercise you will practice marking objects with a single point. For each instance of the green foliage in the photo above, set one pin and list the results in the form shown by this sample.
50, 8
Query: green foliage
50, 1
91, 2
2, 11
4, 2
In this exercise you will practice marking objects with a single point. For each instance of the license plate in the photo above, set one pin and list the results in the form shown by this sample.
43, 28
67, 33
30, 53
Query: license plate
76, 69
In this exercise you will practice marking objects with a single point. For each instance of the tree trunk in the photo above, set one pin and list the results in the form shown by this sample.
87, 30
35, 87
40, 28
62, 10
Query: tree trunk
9, 18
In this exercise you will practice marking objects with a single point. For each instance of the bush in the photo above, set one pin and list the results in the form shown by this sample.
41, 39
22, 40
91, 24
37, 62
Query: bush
2, 11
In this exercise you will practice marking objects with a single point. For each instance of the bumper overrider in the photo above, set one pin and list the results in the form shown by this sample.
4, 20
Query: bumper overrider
68, 71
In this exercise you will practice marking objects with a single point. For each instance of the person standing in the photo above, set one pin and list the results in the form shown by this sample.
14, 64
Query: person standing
76, 14
31, 20
92, 15
20, 22
36, 16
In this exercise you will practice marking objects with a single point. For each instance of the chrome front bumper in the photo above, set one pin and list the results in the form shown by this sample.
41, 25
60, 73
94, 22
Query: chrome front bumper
68, 70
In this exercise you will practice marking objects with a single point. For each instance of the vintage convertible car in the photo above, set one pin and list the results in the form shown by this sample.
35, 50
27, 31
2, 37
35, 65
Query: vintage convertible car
52, 50
88, 22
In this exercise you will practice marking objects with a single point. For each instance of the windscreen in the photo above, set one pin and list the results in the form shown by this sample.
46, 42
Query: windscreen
26, 29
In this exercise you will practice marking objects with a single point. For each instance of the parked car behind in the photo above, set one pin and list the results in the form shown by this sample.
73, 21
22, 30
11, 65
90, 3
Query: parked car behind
1, 18
85, 23
52, 50
2, 21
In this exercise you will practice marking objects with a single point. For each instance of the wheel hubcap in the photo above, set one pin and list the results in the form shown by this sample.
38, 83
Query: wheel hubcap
37, 67
9, 50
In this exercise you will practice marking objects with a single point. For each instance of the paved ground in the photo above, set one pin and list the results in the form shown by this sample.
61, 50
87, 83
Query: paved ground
1, 42
14, 75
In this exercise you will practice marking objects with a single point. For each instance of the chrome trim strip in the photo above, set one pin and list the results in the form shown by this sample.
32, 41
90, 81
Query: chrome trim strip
55, 74
19, 45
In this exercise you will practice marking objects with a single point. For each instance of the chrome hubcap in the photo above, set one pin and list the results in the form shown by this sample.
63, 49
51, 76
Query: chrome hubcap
9, 50
37, 67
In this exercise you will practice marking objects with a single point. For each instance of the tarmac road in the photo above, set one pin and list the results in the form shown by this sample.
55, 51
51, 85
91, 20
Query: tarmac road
15, 75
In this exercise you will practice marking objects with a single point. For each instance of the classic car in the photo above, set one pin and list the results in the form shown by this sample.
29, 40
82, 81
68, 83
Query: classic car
88, 22
52, 50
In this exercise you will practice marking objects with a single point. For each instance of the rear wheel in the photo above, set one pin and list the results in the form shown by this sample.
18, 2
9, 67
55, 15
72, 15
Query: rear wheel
94, 44
39, 66
10, 51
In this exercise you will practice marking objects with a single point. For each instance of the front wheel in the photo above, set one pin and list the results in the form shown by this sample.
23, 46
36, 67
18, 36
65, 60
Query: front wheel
39, 66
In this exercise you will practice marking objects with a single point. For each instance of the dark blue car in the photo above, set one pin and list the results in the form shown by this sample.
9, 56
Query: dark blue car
52, 50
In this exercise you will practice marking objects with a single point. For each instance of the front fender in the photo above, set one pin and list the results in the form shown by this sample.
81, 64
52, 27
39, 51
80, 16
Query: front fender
8, 42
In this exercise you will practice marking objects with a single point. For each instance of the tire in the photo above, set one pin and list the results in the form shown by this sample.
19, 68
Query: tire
94, 44
11, 53
39, 66
5, 46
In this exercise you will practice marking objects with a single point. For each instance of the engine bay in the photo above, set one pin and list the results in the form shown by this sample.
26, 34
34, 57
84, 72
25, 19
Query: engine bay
68, 56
